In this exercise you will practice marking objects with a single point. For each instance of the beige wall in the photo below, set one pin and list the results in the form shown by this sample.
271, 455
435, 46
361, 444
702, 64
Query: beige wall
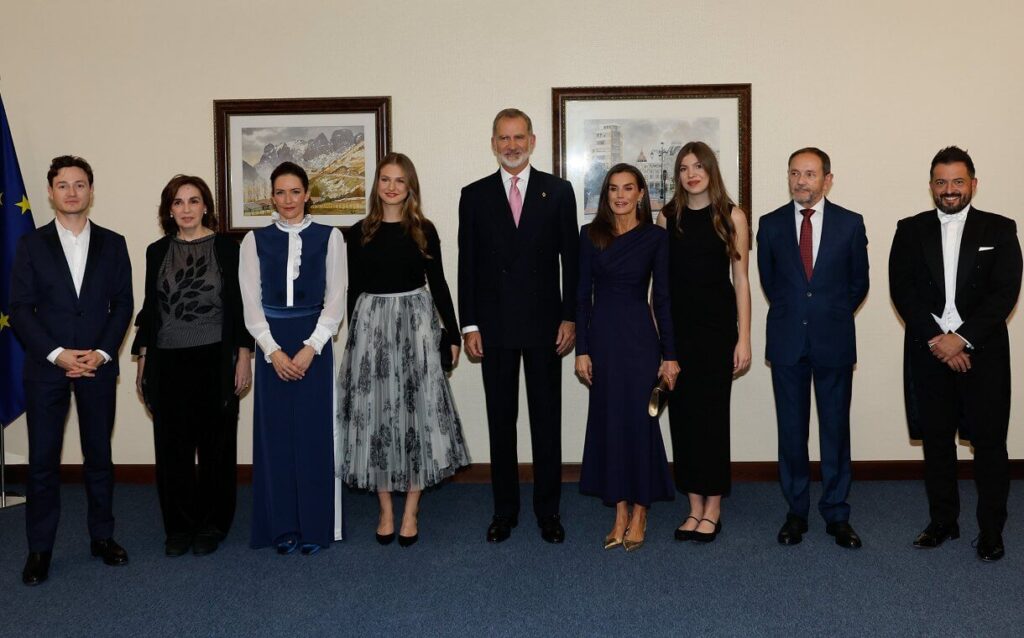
880, 85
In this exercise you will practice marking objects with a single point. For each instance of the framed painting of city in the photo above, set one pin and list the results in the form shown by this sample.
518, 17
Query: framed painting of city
338, 141
598, 127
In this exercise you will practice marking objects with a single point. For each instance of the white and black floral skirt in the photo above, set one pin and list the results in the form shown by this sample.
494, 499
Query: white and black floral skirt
400, 429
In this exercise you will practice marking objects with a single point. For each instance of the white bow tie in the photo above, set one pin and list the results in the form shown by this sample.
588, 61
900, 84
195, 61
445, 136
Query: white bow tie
947, 218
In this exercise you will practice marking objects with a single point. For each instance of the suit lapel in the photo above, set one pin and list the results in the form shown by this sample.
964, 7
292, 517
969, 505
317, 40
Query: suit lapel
970, 241
533, 205
59, 259
830, 231
931, 248
791, 240
95, 249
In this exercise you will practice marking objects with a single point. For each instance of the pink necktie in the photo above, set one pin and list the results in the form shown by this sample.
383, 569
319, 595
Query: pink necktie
515, 200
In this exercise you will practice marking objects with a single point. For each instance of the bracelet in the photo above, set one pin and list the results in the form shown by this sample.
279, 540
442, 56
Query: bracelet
140, 356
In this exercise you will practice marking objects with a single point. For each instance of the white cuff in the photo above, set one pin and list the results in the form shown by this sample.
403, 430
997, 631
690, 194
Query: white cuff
318, 339
469, 329
267, 345
106, 356
52, 357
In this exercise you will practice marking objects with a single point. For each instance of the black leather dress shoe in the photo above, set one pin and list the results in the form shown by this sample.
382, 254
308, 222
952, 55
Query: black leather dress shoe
551, 529
990, 547
176, 545
501, 528
793, 530
37, 568
936, 534
844, 534
205, 544
112, 553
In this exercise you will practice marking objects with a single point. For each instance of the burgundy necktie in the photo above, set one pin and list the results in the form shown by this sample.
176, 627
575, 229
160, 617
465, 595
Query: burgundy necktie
515, 200
807, 242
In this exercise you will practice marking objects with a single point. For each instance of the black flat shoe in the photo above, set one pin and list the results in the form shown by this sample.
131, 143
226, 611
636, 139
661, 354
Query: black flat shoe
385, 539
308, 549
844, 534
706, 537
408, 541
793, 530
551, 529
287, 547
37, 568
177, 545
685, 534
112, 553
501, 528
936, 534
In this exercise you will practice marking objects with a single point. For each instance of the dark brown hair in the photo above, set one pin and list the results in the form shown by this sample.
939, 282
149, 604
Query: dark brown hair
291, 168
721, 203
602, 229
413, 221
170, 192
952, 155
67, 161
826, 161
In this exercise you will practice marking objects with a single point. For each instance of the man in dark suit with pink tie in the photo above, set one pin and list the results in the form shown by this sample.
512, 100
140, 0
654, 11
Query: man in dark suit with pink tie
518, 266
813, 262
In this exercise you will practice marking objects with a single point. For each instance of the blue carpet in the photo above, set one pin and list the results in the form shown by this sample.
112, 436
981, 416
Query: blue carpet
453, 583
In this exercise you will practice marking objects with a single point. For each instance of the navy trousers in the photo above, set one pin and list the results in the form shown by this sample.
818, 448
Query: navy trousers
832, 389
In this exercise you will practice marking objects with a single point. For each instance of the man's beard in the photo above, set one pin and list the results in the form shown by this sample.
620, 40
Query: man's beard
961, 203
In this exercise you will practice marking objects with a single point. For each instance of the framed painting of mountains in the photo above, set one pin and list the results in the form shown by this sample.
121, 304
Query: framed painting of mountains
338, 141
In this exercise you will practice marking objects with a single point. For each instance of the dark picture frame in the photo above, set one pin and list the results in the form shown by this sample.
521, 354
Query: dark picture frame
338, 140
598, 126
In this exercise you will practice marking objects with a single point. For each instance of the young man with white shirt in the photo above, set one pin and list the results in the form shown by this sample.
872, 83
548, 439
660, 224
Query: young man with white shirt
954, 277
71, 303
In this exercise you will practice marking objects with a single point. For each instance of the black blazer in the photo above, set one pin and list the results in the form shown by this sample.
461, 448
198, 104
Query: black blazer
233, 336
509, 284
988, 280
47, 314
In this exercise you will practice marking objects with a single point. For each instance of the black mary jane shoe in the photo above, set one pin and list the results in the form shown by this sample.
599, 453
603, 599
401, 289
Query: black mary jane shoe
707, 537
685, 534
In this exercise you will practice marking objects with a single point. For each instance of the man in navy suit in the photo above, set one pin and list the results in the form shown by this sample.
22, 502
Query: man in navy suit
71, 302
517, 226
813, 261
954, 276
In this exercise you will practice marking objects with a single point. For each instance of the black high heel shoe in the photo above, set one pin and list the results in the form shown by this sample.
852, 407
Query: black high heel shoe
385, 539
407, 541
706, 537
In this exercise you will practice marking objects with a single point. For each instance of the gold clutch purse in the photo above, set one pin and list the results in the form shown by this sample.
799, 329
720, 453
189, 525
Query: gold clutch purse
659, 397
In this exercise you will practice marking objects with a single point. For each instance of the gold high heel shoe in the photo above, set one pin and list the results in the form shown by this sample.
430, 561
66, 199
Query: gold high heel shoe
633, 545
610, 542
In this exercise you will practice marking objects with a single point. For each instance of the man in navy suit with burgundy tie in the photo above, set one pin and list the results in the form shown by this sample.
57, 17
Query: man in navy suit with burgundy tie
518, 266
71, 303
813, 262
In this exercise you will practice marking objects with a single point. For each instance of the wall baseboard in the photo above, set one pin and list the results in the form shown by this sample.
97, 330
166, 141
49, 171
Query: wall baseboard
742, 472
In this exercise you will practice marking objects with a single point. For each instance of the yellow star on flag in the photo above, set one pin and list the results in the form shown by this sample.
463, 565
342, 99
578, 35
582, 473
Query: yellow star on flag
24, 205
5, 321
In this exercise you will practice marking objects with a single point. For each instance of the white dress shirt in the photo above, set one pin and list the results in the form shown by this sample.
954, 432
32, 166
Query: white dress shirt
952, 234
334, 294
76, 252
817, 221
506, 181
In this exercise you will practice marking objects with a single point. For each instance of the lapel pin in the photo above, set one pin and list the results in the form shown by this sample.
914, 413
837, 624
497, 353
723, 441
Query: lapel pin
543, 194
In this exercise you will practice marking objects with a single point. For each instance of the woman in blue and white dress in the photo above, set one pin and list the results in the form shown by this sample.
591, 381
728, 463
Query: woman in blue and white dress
293, 280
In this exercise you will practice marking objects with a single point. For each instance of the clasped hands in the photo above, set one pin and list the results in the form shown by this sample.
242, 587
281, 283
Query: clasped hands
79, 363
292, 368
949, 349
564, 341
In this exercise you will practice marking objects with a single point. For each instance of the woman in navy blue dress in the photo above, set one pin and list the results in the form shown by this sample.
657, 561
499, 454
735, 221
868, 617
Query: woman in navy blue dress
621, 353
293, 279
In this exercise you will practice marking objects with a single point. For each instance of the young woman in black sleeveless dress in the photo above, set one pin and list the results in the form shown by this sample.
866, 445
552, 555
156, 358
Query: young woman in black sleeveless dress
709, 241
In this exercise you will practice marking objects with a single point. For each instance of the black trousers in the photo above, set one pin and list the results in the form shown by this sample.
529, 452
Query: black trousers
190, 421
46, 407
543, 371
981, 398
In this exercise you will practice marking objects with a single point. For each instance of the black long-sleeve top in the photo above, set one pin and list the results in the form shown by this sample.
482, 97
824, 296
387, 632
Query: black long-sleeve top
391, 262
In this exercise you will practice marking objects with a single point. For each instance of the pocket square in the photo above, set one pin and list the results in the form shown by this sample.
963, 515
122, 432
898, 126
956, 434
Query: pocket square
984, 248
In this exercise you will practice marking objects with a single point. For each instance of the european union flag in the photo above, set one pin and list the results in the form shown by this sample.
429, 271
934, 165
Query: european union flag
15, 221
